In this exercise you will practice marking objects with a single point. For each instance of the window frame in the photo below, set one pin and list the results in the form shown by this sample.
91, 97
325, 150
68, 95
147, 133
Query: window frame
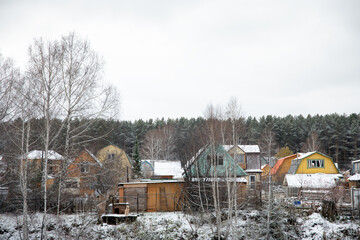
111, 156
72, 184
252, 177
218, 161
84, 167
316, 163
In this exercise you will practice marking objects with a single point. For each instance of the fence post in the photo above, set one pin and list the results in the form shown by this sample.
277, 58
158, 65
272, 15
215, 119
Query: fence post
174, 201
137, 203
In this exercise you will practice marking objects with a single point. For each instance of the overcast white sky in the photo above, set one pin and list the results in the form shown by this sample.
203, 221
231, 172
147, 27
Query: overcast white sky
173, 58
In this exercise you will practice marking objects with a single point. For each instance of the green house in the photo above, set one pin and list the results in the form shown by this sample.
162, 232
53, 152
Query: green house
213, 161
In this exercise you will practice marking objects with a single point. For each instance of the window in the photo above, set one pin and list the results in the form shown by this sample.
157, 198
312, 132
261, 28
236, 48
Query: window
85, 167
315, 163
71, 184
219, 161
252, 179
208, 159
51, 170
356, 167
111, 156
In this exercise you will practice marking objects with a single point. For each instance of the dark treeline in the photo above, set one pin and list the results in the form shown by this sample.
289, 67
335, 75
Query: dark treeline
335, 135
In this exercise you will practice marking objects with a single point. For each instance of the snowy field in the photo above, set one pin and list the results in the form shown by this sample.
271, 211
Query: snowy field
251, 224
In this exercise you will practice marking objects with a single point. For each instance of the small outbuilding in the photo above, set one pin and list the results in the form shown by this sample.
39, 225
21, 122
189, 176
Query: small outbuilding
152, 195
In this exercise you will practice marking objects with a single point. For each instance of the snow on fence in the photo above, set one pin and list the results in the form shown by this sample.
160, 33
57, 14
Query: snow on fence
338, 194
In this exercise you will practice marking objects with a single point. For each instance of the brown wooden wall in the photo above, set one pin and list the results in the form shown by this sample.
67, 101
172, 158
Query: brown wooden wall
153, 197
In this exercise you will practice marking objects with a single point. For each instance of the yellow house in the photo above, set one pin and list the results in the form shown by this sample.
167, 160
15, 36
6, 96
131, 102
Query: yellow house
312, 162
116, 160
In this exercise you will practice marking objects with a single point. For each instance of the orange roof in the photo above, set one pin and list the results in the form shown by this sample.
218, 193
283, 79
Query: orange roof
279, 163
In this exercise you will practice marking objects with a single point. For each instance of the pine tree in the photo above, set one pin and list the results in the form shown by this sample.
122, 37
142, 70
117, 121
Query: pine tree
136, 158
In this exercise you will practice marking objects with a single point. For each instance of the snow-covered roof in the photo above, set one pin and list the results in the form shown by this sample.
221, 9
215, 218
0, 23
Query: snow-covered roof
318, 180
245, 148
250, 148
355, 177
142, 181
37, 154
192, 160
166, 167
238, 179
264, 165
227, 147
304, 155
253, 170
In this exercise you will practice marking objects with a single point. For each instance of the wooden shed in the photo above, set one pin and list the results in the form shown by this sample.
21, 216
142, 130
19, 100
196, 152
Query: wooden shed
153, 195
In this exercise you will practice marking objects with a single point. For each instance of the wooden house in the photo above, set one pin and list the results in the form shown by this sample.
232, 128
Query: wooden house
36, 160
114, 158
312, 170
248, 158
82, 173
152, 195
213, 162
281, 168
312, 162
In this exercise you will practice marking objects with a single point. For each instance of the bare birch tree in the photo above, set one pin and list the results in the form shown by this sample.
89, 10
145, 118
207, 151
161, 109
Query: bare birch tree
268, 142
8, 75
159, 143
219, 176
211, 114
83, 95
24, 101
233, 112
67, 76
151, 148
16, 102
43, 69
312, 142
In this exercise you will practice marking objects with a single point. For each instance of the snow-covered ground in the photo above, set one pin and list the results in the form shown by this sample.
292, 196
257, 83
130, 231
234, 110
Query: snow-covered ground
251, 224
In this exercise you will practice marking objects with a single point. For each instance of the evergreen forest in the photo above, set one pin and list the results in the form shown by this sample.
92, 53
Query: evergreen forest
337, 136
